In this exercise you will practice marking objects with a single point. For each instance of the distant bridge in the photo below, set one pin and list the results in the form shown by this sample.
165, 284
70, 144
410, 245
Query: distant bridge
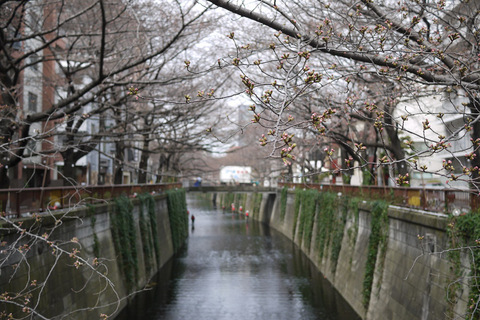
230, 188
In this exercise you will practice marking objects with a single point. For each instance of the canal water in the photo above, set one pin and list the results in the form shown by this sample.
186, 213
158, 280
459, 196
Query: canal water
237, 269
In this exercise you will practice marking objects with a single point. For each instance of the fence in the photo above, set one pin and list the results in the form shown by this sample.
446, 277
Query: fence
15, 202
436, 200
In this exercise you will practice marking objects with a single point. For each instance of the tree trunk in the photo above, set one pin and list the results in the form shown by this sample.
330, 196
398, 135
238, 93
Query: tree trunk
163, 166
68, 167
347, 171
7, 130
119, 159
143, 165
4, 180
395, 145
475, 177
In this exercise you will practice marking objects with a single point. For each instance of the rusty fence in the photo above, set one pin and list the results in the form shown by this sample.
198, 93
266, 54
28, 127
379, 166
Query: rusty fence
434, 200
15, 202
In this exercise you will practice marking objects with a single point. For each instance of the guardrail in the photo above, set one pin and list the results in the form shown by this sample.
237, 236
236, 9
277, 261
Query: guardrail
15, 202
436, 200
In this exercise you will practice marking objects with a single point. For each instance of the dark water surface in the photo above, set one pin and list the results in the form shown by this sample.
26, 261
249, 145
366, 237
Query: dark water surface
236, 269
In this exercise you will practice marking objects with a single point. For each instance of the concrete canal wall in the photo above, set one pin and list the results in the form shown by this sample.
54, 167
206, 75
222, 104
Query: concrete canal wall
85, 262
387, 262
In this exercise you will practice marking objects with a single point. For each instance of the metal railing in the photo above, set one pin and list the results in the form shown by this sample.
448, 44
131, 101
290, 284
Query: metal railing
15, 202
435, 200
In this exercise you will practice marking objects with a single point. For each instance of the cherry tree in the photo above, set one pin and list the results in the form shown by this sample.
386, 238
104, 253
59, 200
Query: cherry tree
80, 60
78, 52
413, 47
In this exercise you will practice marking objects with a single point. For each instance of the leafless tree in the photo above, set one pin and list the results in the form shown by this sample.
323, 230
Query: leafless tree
416, 47
115, 62
79, 52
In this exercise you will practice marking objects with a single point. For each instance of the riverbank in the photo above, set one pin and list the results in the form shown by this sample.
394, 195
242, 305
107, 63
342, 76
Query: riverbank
387, 262
85, 262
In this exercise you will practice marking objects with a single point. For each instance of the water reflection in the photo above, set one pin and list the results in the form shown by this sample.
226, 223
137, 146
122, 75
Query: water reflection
232, 268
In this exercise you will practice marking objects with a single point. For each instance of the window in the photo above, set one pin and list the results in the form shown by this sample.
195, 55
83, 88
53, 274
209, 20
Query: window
34, 58
32, 102
35, 23
17, 45
130, 155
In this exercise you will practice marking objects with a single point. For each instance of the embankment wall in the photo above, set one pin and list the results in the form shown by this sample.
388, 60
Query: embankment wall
387, 262
85, 263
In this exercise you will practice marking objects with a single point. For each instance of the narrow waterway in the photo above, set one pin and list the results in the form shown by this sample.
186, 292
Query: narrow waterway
233, 269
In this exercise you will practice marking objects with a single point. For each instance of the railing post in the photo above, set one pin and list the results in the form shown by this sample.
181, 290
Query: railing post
446, 200
474, 199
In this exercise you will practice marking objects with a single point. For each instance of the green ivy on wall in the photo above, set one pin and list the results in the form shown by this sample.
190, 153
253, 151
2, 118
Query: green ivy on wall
338, 231
296, 210
353, 213
236, 201
377, 241
324, 210
152, 213
325, 220
148, 227
464, 232
228, 199
124, 238
307, 215
330, 216
240, 201
257, 203
178, 215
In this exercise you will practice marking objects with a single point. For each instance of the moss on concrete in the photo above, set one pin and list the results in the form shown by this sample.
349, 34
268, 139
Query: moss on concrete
178, 214
124, 239
377, 241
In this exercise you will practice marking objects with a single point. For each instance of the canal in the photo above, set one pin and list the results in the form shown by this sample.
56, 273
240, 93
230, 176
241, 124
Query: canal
233, 268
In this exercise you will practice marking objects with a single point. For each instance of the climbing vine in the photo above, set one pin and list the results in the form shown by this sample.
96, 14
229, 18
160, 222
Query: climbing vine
353, 213
146, 229
377, 241
464, 231
325, 220
296, 210
228, 199
330, 216
240, 201
257, 202
124, 238
150, 203
353, 229
307, 216
177, 212
338, 231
